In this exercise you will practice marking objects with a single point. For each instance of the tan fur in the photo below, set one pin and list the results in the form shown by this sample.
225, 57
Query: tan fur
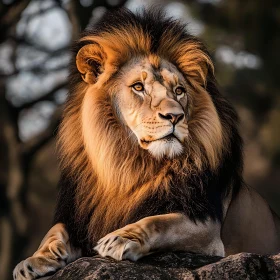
169, 232
205, 128
54, 252
154, 60
114, 195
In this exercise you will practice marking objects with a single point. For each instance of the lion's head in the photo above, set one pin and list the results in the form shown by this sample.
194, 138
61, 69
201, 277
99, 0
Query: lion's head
151, 98
156, 94
143, 108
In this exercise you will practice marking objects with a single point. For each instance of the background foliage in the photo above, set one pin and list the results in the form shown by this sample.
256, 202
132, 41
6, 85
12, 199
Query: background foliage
243, 38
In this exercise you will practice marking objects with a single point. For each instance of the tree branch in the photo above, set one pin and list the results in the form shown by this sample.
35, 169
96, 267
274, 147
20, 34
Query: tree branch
9, 16
32, 146
46, 97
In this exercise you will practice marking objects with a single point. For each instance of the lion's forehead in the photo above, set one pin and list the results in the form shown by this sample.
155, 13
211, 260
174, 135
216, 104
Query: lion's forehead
158, 90
163, 73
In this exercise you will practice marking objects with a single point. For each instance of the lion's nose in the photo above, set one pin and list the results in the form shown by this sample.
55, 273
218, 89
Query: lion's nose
173, 118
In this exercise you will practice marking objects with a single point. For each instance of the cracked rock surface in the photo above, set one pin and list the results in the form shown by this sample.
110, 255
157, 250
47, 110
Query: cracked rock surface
179, 265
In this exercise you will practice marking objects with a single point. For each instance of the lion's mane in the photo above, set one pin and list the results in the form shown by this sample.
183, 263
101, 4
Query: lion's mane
122, 183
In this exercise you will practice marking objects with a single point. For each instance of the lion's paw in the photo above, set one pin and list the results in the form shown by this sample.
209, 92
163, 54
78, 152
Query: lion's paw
24, 271
118, 247
42, 263
58, 249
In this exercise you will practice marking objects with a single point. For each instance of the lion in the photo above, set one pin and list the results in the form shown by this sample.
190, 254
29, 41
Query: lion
151, 155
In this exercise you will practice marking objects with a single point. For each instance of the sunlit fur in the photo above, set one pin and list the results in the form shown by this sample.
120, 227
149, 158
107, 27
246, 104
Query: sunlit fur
108, 175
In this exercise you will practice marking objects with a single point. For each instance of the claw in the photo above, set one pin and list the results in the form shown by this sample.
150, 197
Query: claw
120, 248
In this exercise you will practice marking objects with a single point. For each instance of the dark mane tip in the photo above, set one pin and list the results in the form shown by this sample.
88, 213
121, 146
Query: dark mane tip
154, 22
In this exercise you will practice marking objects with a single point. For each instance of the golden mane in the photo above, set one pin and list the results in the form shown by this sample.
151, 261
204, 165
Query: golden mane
114, 176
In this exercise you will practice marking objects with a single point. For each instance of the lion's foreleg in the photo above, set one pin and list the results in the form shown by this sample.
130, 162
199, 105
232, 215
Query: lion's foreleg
54, 252
167, 232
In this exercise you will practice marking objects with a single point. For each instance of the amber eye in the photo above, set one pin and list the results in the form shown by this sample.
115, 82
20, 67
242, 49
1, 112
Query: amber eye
179, 90
138, 87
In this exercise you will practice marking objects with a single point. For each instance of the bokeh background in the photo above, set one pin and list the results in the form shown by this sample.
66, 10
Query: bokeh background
242, 36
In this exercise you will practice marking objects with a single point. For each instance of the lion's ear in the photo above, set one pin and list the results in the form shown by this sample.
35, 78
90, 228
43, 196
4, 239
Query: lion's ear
90, 62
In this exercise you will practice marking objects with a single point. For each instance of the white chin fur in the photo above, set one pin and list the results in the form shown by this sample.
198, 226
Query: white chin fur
163, 147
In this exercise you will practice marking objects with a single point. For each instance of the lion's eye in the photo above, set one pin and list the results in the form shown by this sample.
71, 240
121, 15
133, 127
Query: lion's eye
180, 90
138, 87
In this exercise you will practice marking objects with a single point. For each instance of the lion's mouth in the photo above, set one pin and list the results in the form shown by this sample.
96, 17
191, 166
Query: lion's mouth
170, 137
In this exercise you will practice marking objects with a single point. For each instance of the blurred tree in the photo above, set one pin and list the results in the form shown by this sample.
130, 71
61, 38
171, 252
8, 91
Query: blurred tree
18, 153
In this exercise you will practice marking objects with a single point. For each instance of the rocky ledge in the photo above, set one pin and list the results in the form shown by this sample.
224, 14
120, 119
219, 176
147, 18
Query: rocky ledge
179, 265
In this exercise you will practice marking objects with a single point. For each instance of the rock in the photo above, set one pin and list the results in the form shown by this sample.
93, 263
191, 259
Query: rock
179, 265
